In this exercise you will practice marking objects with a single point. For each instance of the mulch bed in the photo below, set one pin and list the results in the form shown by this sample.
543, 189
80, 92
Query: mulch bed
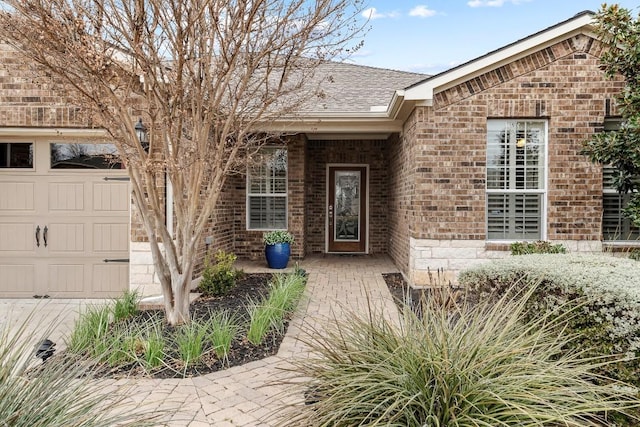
250, 286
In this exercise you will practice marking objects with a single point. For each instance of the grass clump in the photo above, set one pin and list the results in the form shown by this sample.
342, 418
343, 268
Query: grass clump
269, 313
222, 328
220, 277
58, 392
190, 340
468, 365
126, 306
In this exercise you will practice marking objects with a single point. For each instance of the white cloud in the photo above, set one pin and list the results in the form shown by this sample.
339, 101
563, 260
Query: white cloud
372, 13
422, 11
492, 3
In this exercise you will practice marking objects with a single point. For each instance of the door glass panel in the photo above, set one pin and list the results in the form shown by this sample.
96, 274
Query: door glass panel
347, 206
16, 155
84, 156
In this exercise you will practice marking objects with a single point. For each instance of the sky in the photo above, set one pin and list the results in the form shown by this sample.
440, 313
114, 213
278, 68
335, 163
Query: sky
430, 36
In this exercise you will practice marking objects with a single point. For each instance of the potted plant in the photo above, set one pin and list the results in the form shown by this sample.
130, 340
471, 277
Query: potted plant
277, 248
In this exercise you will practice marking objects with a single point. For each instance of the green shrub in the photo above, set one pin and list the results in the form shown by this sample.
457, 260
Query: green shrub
154, 346
221, 277
609, 320
475, 365
539, 247
634, 254
277, 236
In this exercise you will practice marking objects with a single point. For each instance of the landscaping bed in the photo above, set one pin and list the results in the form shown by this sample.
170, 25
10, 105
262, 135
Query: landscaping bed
127, 342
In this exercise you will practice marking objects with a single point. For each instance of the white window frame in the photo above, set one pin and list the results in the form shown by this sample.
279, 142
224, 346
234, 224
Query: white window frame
284, 195
542, 191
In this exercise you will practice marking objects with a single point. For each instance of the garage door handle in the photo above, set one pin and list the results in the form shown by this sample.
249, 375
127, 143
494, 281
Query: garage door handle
116, 260
44, 235
38, 236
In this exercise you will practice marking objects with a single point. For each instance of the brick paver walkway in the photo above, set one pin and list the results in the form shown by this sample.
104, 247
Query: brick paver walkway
250, 395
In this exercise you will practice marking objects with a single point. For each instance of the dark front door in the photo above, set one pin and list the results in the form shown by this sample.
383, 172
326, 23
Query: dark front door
347, 209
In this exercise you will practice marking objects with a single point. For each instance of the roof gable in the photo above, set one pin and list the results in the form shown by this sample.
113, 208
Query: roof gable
423, 92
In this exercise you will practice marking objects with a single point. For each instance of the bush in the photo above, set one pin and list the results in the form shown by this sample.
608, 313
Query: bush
539, 247
221, 277
475, 365
606, 290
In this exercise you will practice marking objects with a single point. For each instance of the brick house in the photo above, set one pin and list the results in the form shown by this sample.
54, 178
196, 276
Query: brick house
434, 171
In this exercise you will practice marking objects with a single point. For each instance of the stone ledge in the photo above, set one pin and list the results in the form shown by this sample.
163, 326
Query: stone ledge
156, 302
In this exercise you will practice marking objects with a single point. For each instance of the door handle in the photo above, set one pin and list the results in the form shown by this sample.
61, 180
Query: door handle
330, 211
38, 236
44, 235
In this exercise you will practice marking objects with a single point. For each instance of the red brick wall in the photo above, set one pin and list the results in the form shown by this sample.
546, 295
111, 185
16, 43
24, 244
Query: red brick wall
563, 84
372, 153
247, 243
29, 101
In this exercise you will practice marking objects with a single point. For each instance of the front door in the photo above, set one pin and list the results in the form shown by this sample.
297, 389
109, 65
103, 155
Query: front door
347, 209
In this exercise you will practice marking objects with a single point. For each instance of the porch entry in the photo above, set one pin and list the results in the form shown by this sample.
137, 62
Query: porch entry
347, 217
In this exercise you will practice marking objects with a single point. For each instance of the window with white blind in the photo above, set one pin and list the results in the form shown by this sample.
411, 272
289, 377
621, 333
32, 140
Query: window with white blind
267, 190
615, 225
516, 179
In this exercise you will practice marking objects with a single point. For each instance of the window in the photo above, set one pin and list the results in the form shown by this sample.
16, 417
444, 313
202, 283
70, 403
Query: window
16, 155
615, 225
84, 156
267, 190
516, 179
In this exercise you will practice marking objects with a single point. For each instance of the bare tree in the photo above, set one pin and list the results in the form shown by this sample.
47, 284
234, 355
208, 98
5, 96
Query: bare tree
202, 75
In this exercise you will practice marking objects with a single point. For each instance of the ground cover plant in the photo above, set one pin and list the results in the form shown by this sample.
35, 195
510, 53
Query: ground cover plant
460, 365
606, 289
34, 393
218, 336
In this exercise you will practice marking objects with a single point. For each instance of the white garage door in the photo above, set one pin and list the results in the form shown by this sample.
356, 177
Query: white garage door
64, 220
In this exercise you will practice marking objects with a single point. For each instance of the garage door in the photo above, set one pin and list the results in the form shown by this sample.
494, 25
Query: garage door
64, 220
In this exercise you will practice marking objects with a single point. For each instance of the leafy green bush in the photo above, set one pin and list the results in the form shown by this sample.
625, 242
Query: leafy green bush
606, 289
221, 277
90, 330
634, 254
539, 247
190, 340
472, 365
277, 236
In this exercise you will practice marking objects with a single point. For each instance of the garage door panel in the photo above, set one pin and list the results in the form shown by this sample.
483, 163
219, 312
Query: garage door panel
66, 279
85, 213
66, 196
108, 237
111, 197
16, 237
65, 238
18, 279
107, 276
17, 196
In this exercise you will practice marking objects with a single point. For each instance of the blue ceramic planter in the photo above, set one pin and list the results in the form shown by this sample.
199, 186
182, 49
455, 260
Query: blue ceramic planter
277, 255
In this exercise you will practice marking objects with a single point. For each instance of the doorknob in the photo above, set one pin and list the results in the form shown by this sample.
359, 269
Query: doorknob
330, 211
44, 235
38, 236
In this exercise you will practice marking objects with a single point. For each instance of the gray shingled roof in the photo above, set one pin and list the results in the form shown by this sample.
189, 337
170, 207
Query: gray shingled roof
351, 88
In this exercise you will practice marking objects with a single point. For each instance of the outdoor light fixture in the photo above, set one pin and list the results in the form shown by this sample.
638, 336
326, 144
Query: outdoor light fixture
143, 137
521, 142
45, 349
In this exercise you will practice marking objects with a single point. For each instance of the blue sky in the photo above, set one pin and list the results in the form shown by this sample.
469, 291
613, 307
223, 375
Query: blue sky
430, 36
